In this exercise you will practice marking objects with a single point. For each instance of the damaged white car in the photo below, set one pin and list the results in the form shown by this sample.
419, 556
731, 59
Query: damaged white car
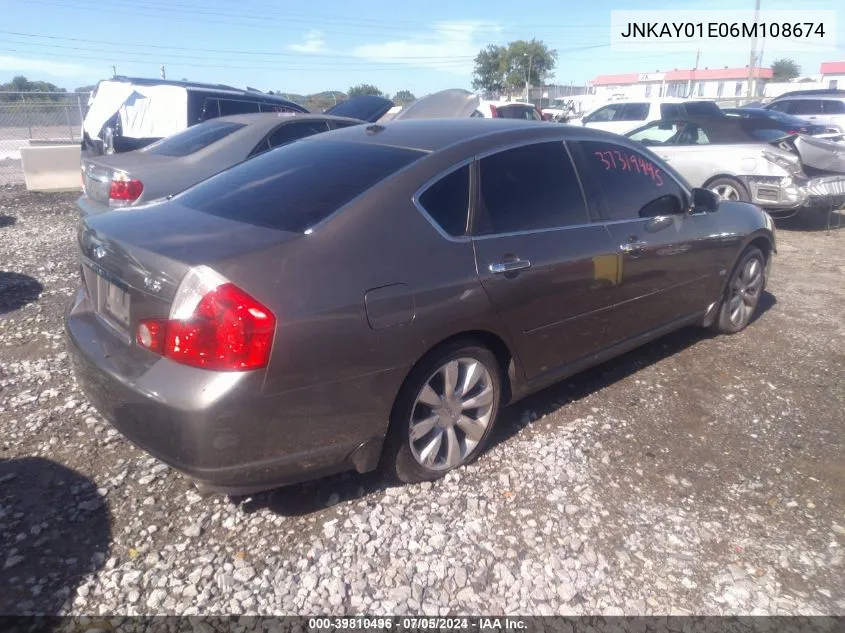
746, 160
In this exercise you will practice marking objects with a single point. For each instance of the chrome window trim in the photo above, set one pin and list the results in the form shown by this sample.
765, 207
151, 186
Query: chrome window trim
433, 181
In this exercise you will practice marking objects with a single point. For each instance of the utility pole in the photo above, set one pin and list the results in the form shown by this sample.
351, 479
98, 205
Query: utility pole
691, 84
163, 76
114, 71
753, 57
528, 78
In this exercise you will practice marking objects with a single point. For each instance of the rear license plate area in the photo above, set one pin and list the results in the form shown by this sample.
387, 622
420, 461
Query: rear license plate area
113, 303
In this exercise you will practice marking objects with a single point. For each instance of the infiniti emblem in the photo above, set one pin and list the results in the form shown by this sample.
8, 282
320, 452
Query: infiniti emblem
99, 252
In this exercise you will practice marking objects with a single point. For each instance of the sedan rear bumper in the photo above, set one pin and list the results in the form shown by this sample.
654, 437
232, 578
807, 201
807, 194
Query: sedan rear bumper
215, 427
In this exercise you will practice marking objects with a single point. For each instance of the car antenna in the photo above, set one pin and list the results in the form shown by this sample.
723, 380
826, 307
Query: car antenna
375, 128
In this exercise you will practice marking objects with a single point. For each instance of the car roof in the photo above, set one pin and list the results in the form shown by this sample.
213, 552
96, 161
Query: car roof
272, 118
194, 85
431, 135
822, 93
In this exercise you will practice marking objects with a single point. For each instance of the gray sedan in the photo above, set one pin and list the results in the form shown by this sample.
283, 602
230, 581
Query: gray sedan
176, 162
375, 295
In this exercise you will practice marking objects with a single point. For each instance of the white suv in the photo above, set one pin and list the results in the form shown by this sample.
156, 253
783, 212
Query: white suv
622, 117
822, 107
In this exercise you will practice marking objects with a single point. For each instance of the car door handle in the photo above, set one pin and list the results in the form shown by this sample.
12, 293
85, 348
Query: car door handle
509, 266
632, 247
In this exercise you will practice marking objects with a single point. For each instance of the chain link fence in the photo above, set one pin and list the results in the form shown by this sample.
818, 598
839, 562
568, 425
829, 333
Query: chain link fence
36, 118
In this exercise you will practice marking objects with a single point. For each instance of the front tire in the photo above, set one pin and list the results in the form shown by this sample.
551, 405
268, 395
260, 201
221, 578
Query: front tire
729, 189
444, 413
742, 292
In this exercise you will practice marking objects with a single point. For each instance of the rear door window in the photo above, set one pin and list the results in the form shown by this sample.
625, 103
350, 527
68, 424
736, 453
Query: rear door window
633, 112
607, 113
529, 188
806, 106
229, 107
192, 139
298, 185
831, 106
447, 201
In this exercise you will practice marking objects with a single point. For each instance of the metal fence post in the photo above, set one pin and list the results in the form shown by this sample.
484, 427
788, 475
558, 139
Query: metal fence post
69, 126
79, 105
25, 113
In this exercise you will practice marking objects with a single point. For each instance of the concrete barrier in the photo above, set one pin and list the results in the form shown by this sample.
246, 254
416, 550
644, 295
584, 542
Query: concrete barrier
51, 167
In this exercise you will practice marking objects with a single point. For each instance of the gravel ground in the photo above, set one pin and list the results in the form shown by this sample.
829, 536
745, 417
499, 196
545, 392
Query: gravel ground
697, 475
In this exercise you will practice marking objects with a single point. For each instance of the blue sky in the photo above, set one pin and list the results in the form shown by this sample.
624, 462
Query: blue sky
333, 44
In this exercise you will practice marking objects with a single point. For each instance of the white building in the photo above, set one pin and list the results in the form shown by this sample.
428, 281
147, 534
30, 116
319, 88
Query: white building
833, 75
706, 83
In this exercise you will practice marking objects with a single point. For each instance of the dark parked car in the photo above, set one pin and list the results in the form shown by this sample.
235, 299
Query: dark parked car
180, 160
775, 120
376, 294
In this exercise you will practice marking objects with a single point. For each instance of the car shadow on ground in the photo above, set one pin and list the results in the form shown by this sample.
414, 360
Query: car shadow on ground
813, 222
303, 499
17, 290
7, 220
54, 531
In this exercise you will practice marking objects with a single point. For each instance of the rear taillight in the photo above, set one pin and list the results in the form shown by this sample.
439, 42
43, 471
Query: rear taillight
124, 190
213, 324
494, 112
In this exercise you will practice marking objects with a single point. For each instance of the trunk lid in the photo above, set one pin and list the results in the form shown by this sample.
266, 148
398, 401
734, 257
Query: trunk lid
454, 103
97, 171
134, 260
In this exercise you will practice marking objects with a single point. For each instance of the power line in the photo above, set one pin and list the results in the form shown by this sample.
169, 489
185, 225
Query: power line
333, 67
264, 21
212, 50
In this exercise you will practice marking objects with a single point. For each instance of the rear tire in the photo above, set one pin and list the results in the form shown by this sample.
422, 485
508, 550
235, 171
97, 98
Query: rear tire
444, 413
742, 292
730, 189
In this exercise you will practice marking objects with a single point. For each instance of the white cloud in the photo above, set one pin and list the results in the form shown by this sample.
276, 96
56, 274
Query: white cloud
315, 42
57, 69
451, 47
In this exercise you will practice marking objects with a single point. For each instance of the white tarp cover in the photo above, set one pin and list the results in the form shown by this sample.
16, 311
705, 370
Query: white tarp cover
145, 111
110, 96
154, 112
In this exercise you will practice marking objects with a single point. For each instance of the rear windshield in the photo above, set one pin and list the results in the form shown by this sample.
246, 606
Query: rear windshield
518, 112
193, 139
702, 107
293, 187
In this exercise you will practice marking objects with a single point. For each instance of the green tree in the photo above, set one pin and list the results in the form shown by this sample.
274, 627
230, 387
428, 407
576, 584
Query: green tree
85, 89
403, 96
785, 69
529, 63
364, 89
490, 65
22, 84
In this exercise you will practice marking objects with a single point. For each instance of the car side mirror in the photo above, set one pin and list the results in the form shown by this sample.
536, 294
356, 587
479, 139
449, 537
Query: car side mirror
704, 200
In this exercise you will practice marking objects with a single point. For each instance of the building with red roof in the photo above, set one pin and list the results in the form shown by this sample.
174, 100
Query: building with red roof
833, 74
707, 83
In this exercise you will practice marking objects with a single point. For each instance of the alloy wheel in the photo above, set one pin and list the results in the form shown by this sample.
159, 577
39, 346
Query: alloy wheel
745, 292
451, 414
726, 192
